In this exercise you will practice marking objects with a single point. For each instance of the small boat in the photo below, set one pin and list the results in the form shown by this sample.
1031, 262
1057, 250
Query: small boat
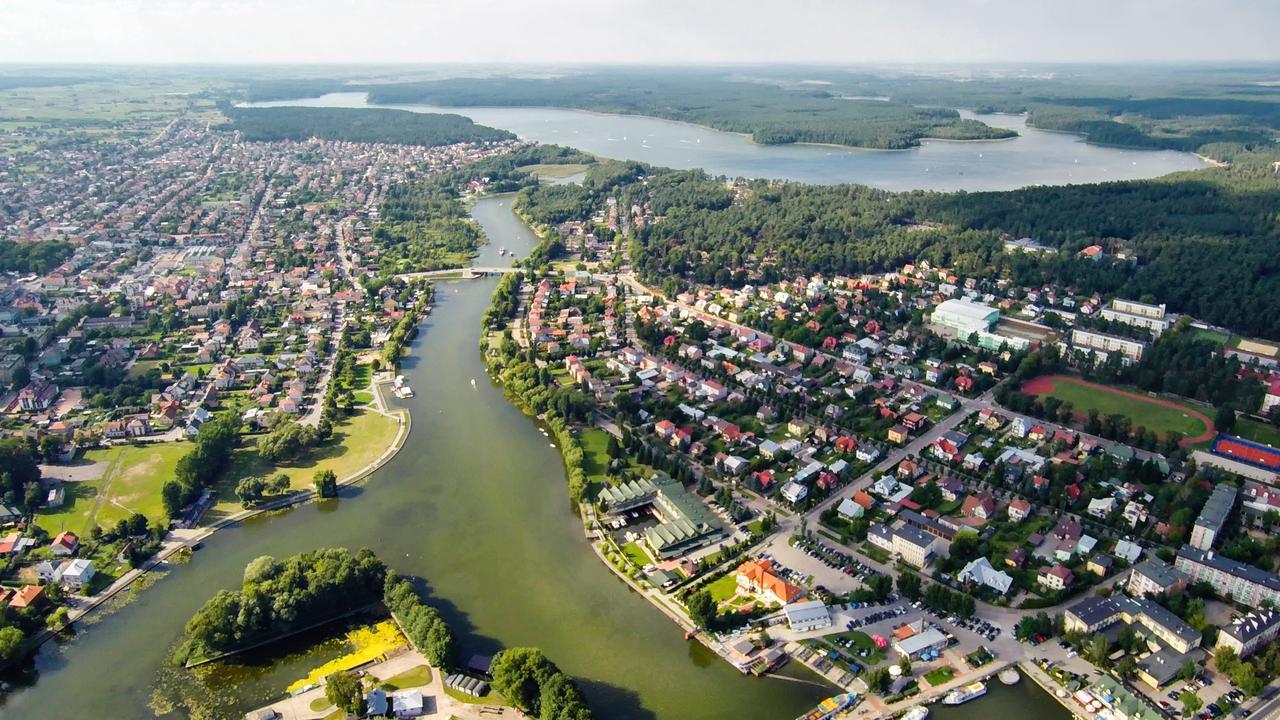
473, 384
502, 252
919, 712
965, 694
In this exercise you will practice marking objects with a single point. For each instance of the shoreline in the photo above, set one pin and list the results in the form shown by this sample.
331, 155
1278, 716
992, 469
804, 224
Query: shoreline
178, 540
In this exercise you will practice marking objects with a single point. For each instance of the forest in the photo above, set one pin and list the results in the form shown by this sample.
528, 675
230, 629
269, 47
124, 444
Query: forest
1207, 243
400, 127
280, 596
33, 257
771, 114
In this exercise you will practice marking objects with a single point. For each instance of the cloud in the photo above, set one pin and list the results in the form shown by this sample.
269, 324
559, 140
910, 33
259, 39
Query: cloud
634, 31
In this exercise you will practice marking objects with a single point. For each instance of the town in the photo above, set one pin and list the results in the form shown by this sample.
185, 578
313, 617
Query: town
903, 480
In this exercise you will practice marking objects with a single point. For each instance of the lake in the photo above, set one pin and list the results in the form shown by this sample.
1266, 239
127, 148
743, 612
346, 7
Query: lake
1035, 157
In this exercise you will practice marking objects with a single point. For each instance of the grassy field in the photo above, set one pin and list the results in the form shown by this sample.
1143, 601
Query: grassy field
938, 676
1258, 432
555, 171
724, 588
1154, 415
595, 459
861, 641
358, 441
636, 554
411, 678
131, 483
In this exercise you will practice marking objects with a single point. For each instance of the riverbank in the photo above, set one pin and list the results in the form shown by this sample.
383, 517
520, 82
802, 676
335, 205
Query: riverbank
187, 539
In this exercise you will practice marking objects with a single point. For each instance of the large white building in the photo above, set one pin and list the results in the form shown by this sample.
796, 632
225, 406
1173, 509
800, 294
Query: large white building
1130, 312
1131, 350
965, 316
1213, 518
1242, 583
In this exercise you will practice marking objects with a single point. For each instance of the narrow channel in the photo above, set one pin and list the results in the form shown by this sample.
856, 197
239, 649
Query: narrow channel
476, 504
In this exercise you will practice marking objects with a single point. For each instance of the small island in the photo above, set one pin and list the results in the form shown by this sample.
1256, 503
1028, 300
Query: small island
401, 656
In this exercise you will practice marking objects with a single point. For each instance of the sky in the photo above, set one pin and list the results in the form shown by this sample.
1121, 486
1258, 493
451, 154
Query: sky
636, 31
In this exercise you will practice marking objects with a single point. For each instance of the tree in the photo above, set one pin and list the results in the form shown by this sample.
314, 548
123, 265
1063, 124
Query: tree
1190, 703
909, 585
702, 609
1097, 650
904, 665
518, 674
345, 692
326, 483
1225, 419
171, 495
11, 641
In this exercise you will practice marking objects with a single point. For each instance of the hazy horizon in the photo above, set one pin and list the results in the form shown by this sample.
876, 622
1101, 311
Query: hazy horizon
631, 32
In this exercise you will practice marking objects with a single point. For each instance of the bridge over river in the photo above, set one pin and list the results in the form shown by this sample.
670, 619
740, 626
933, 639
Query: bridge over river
463, 273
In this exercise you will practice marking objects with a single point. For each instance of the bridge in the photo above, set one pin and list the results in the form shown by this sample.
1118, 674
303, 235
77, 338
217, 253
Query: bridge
466, 273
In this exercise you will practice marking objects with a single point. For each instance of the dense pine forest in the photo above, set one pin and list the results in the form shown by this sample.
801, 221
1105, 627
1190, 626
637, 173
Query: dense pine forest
1206, 242
358, 125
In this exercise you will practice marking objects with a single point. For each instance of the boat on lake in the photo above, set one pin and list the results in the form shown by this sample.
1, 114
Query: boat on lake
965, 694
919, 712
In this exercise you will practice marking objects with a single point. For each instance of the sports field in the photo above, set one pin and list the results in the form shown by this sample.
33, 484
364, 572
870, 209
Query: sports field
1156, 414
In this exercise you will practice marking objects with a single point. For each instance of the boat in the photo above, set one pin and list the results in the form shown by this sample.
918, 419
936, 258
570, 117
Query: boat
473, 383
919, 712
404, 391
502, 252
399, 381
965, 694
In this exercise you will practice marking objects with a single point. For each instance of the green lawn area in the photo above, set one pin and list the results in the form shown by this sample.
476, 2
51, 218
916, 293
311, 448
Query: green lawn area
554, 171
411, 678
636, 554
363, 397
1258, 432
595, 458
1141, 412
361, 375
357, 441
938, 676
130, 483
724, 588
861, 641
320, 704
142, 367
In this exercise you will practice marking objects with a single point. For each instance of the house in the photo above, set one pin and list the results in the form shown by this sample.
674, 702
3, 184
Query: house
27, 596
1018, 510
980, 505
980, 572
1057, 577
756, 577
408, 703
1100, 565
899, 434
794, 492
65, 544
1154, 576
850, 510
74, 574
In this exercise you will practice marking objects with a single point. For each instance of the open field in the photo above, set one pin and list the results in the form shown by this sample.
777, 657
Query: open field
131, 483
1257, 432
1156, 414
555, 171
595, 458
357, 441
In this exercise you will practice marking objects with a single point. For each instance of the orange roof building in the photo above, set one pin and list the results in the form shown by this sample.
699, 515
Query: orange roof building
757, 577
26, 596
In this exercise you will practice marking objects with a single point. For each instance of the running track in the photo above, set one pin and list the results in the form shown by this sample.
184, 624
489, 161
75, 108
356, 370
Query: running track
1043, 385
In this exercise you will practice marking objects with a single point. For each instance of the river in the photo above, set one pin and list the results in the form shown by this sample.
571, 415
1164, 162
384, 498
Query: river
475, 503
1035, 157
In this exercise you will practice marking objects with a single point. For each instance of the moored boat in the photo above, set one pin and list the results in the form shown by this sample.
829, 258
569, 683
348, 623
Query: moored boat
965, 694
919, 712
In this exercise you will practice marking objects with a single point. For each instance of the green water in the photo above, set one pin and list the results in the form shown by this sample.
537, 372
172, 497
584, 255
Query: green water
476, 504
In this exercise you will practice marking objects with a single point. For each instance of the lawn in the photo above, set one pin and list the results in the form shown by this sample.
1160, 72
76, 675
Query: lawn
360, 376
1158, 415
636, 554
411, 678
724, 588
363, 397
938, 676
1257, 432
595, 456
554, 171
131, 483
861, 641
357, 441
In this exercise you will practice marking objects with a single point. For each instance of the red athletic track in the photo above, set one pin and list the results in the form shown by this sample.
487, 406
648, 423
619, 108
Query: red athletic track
1043, 385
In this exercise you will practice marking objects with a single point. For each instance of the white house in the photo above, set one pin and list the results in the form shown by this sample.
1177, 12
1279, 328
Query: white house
807, 615
794, 492
850, 509
74, 574
981, 572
